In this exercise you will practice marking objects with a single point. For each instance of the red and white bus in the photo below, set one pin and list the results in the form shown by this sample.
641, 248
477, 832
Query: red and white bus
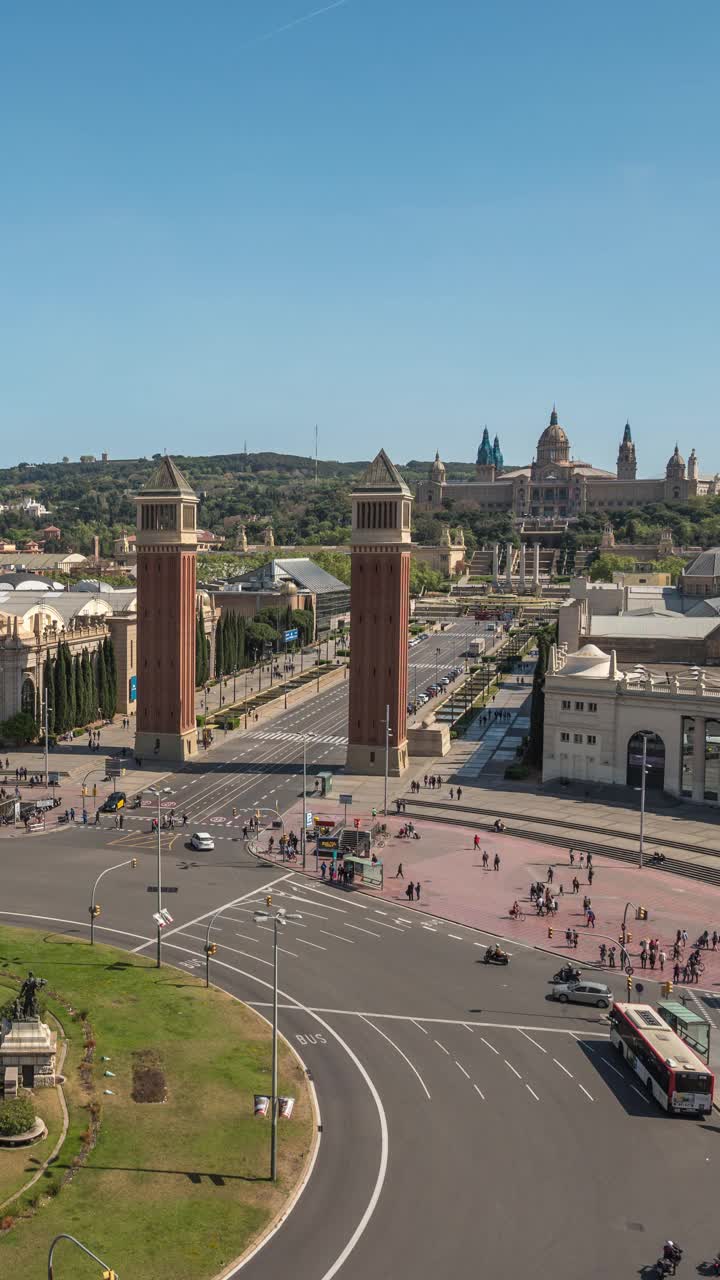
668, 1068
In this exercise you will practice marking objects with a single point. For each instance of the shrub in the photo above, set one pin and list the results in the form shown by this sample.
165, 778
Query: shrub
517, 772
17, 1115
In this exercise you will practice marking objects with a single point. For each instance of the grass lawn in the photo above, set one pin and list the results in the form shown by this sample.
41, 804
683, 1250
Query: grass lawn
177, 1188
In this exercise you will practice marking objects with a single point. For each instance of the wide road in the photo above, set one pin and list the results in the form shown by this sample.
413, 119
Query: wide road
468, 1123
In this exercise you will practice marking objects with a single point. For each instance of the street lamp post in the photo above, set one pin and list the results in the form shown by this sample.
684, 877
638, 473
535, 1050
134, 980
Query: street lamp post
159, 792
642, 798
107, 1271
129, 862
278, 917
388, 735
246, 697
46, 720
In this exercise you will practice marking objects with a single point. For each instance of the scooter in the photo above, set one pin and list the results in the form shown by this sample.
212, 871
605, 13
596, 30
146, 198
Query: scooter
491, 958
566, 975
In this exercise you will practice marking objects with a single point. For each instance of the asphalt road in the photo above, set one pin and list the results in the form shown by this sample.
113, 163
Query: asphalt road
469, 1124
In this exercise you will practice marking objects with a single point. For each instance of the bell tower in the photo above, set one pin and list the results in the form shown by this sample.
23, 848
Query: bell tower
380, 614
166, 552
626, 459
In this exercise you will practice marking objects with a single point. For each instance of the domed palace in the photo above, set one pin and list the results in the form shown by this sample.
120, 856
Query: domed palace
558, 486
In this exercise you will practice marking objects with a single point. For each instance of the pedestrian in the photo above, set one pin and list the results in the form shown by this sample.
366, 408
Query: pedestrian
588, 860
122, 820
568, 937
612, 957
581, 858
476, 842
603, 953
485, 858
714, 939
662, 958
417, 891
652, 958
549, 875
643, 958
409, 891
576, 938
496, 862
459, 793
97, 817
400, 874
572, 858
591, 918
452, 793
323, 870
676, 971
676, 951
425, 780
684, 936
576, 885
591, 875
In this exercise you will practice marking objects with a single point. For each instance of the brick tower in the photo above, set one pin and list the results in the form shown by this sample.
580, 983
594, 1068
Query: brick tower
166, 551
380, 613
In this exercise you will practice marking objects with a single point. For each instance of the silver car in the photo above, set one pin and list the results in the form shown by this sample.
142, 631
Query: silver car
596, 993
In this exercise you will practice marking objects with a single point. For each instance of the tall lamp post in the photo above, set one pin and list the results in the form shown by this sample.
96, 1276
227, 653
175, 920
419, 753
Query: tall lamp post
279, 917
108, 1273
643, 775
303, 836
159, 792
94, 909
388, 735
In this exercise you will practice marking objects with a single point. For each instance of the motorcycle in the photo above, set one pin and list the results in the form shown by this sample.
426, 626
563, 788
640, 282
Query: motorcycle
656, 859
565, 975
136, 802
667, 1266
491, 957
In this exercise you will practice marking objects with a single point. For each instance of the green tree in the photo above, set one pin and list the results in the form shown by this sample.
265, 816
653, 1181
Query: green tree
49, 691
101, 683
220, 647
111, 671
20, 728
88, 687
60, 691
534, 754
79, 691
603, 568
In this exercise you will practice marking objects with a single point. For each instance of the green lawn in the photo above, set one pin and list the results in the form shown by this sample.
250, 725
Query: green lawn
177, 1188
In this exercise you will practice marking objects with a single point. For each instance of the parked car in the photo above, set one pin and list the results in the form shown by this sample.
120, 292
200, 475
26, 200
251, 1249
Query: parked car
114, 803
202, 840
596, 993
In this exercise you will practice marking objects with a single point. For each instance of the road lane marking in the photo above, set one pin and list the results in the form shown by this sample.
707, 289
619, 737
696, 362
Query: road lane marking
442, 1046
390, 926
465, 1073
420, 1027
612, 1068
510, 1065
562, 1068
380, 913
328, 934
532, 1091
218, 911
582, 1086
537, 1046
402, 1055
316, 945
482, 1095
82, 924
490, 1046
360, 929
248, 954
455, 936
468, 1027
639, 1094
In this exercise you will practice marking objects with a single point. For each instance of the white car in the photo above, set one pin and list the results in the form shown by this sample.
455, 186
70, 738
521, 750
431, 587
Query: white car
202, 840
596, 993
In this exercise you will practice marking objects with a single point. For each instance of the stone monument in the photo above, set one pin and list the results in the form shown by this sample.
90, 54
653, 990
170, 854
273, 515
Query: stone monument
28, 1047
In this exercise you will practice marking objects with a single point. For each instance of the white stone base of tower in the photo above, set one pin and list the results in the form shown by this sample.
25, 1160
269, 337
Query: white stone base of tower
175, 747
371, 760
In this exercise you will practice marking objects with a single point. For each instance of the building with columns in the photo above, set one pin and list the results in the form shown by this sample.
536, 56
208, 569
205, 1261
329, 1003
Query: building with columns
379, 619
596, 716
557, 486
166, 543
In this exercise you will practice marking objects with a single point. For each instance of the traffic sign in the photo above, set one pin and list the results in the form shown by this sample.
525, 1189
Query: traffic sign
292, 634
308, 818
345, 799
167, 888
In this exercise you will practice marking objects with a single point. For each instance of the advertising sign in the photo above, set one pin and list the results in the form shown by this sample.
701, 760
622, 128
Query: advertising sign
292, 634
132, 691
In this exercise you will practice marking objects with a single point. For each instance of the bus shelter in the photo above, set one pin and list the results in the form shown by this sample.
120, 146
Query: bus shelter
365, 871
687, 1024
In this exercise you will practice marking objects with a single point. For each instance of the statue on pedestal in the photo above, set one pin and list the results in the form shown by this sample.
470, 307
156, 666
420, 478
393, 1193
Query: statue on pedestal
27, 1005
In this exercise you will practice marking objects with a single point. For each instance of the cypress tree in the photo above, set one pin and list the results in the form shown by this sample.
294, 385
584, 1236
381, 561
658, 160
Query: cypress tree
240, 641
70, 678
60, 690
111, 669
87, 690
100, 681
79, 692
49, 691
220, 647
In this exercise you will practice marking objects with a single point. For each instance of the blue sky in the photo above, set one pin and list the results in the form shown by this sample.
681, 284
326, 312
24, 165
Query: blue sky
400, 219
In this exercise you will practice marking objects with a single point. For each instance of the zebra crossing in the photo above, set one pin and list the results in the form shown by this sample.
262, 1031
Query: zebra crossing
279, 735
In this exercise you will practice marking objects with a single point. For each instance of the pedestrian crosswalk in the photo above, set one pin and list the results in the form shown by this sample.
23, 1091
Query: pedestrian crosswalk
279, 735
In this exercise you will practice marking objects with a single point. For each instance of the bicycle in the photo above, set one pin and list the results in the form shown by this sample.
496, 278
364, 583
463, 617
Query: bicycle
518, 915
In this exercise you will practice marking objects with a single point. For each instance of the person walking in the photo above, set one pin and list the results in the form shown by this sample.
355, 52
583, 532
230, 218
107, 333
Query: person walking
409, 891
714, 939
603, 953
572, 857
576, 885
417, 891
496, 862
323, 870
612, 957
550, 875
676, 971
643, 957
485, 858
662, 958
476, 842
452, 793
400, 874
459, 793
576, 938
591, 875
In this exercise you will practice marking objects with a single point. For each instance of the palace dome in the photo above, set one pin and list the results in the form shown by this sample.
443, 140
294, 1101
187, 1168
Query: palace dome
553, 445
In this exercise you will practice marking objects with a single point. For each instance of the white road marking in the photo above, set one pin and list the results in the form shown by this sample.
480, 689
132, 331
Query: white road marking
562, 1068
467, 1027
328, 934
218, 911
316, 945
402, 1055
385, 925
465, 1073
490, 1046
380, 913
420, 1027
455, 936
612, 1068
442, 1046
589, 1095
510, 1065
537, 1046
532, 1091
248, 954
361, 930
247, 937
639, 1094
482, 1095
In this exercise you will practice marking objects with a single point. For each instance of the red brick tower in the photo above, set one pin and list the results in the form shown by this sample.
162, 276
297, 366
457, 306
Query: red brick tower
380, 613
166, 552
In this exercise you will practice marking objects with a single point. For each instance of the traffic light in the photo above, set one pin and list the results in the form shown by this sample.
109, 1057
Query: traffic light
257, 815
550, 933
109, 1275
133, 863
629, 986
95, 911
211, 948
628, 937
641, 913
667, 988
268, 900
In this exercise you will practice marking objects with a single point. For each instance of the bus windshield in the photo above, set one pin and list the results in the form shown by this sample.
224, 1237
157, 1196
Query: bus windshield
692, 1082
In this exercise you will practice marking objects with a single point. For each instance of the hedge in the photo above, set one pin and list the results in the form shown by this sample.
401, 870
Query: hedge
17, 1115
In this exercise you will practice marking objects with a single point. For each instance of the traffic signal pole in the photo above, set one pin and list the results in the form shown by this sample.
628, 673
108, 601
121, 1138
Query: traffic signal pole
94, 908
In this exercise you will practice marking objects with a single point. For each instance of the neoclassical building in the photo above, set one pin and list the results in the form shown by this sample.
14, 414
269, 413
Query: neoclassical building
557, 486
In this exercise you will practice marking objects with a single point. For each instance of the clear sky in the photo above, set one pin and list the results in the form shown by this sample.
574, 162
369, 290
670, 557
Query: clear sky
400, 219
